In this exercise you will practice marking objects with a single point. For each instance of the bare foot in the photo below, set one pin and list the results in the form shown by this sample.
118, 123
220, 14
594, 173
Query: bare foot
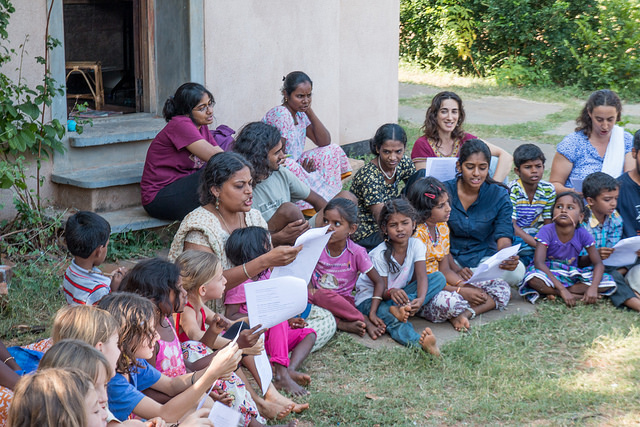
461, 322
273, 410
299, 377
273, 395
428, 342
355, 327
400, 312
287, 384
374, 331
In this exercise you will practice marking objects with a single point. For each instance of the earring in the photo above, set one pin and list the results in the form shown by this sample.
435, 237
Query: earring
217, 204
286, 100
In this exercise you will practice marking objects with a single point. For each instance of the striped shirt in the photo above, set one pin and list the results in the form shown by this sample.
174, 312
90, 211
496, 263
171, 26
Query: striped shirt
81, 286
531, 215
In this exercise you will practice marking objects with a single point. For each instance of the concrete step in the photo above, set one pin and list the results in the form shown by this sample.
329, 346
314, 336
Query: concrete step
120, 129
131, 219
108, 176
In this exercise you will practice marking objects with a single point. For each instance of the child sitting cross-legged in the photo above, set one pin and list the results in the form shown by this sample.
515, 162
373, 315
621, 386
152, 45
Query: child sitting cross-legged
531, 197
555, 271
605, 225
244, 245
87, 238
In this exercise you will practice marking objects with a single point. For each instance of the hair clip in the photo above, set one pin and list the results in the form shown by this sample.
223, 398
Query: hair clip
429, 195
284, 78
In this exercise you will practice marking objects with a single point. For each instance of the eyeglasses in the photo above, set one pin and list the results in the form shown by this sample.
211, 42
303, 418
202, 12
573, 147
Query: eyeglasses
203, 107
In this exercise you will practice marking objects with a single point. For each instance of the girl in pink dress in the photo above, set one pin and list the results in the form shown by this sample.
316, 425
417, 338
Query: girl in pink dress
322, 168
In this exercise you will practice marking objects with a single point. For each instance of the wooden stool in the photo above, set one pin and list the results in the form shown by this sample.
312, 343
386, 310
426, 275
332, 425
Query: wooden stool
94, 83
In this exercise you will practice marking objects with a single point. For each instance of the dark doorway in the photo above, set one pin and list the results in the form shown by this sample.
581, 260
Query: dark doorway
102, 31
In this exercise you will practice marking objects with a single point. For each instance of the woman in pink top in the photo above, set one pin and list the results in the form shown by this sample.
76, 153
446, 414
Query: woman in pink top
443, 135
169, 185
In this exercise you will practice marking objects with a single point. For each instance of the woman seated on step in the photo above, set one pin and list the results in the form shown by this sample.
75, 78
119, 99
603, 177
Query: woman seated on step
322, 168
597, 145
177, 154
443, 136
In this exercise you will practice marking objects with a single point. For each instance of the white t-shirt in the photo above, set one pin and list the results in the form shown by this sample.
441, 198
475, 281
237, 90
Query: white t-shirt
416, 251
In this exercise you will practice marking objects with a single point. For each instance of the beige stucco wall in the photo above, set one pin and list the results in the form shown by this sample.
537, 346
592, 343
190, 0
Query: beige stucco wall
28, 19
348, 48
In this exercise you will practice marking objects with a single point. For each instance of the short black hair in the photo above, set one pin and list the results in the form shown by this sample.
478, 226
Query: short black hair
85, 232
246, 244
347, 209
526, 153
596, 183
636, 140
154, 279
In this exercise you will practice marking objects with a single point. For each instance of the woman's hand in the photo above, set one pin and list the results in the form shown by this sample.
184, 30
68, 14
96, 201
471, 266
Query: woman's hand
309, 165
218, 323
473, 295
155, 422
510, 263
283, 255
398, 296
198, 419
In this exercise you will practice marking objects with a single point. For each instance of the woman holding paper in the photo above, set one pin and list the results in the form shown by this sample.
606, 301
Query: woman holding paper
443, 135
597, 145
480, 220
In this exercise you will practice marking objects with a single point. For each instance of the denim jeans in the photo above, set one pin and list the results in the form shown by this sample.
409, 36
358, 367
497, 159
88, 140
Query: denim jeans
404, 332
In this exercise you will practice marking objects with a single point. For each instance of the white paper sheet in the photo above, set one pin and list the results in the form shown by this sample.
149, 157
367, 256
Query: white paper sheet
625, 252
223, 416
273, 301
490, 269
577, 184
264, 370
442, 168
313, 241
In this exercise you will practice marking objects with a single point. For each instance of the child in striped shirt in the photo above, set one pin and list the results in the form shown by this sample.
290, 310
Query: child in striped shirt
87, 238
531, 197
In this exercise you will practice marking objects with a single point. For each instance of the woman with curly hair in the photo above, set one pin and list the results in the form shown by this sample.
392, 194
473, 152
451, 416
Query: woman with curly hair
276, 188
443, 136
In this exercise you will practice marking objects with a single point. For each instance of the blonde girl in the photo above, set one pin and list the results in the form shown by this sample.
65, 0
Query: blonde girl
137, 320
56, 398
202, 278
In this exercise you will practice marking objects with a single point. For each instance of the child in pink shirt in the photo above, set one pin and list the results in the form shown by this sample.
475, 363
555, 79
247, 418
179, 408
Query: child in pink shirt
340, 264
244, 245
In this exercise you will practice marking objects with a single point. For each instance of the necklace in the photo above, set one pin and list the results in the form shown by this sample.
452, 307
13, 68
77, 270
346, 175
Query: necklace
225, 222
389, 178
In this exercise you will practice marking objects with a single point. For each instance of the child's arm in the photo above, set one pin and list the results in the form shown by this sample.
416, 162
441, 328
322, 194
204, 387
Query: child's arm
420, 269
591, 296
189, 324
186, 395
379, 285
528, 238
539, 258
232, 311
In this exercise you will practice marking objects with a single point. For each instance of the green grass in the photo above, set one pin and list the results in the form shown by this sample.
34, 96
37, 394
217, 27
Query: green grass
558, 366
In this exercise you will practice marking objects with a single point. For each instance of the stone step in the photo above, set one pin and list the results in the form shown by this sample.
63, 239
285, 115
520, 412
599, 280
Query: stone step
119, 129
131, 219
108, 176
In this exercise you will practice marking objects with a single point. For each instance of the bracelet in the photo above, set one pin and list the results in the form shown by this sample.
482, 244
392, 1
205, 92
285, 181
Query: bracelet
458, 290
380, 298
192, 377
11, 357
387, 293
244, 268
458, 282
